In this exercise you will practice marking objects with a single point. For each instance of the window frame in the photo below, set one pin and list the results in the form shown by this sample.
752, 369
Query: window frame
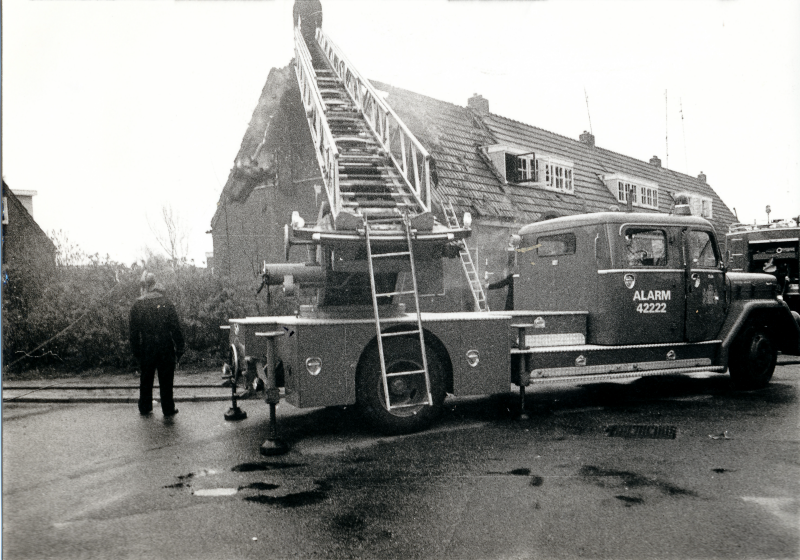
571, 243
643, 193
711, 243
662, 262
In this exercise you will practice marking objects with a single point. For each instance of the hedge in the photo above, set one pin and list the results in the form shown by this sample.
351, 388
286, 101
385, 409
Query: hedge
75, 317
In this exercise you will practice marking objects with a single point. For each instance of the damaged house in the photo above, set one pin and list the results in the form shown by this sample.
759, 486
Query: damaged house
502, 172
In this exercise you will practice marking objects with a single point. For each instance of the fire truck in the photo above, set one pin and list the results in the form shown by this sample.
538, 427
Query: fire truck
771, 248
597, 296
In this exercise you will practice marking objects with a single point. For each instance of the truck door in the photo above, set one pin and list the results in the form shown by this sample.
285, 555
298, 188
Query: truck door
704, 285
647, 292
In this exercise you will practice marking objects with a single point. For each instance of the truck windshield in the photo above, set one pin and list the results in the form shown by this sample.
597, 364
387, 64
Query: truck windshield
645, 247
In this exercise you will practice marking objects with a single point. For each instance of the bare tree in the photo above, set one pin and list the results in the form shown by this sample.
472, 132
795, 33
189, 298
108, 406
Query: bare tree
172, 234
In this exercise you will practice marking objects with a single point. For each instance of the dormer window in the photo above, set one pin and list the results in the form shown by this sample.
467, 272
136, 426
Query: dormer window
532, 169
700, 206
521, 168
642, 193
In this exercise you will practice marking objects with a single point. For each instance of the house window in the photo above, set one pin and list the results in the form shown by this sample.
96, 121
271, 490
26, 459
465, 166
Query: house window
526, 168
557, 175
706, 208
700, 205
521, 168
642, 193
625, 190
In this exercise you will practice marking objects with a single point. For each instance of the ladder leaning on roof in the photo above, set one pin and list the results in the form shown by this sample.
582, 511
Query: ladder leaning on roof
478, 295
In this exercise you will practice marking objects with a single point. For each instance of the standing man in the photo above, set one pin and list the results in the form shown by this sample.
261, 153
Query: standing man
508, 277
309, 12
156, 341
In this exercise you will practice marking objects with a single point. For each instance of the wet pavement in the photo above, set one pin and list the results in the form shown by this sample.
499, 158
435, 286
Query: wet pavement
674, 467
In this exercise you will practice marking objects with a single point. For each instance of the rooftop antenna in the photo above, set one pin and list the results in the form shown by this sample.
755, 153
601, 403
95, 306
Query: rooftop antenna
683, 125
666, 127
586, 95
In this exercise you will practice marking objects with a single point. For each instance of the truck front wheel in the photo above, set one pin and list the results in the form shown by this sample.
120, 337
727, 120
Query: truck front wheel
407, 391
752, 359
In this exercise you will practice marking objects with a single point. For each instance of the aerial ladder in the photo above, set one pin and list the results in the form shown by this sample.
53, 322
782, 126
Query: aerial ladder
377, 179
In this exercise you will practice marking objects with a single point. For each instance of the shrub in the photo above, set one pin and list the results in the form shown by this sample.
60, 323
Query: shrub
79, 319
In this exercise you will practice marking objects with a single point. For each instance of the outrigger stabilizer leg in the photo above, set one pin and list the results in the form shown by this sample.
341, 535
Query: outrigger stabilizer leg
234, 412
524, 376
273, 444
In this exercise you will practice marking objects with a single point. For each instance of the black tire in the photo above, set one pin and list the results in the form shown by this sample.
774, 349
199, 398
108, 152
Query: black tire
752, 359
402, 354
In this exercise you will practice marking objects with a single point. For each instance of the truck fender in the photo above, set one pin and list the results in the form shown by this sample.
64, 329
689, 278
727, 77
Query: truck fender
431, 341
772, 315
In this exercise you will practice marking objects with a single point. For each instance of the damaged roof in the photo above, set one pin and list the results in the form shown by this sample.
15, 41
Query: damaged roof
454, 134
464, 175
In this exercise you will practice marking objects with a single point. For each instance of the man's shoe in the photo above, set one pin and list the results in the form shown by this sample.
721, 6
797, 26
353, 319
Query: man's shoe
173, 413
147, 413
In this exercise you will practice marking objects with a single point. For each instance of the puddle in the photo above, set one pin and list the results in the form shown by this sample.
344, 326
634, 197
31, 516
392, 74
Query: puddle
264, 466
214, 492
291, 500
629, 501
198, 474
632, 480
260, 486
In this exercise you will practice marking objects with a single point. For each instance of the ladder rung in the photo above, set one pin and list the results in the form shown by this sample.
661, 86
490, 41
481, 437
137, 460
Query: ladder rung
410, 372
398, 254
409, 405
402, 293
401, 333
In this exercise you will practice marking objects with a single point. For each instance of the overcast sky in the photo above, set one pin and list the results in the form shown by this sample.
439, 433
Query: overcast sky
113, 109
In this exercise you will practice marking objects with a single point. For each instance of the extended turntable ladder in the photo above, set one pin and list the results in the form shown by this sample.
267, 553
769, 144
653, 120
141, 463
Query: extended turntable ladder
371, 164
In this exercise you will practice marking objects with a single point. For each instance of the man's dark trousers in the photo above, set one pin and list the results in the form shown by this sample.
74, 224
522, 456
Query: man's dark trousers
166, 376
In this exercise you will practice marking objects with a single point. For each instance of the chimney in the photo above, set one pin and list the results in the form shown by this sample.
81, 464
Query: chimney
478, 104
587, 138
655, 161
702, 177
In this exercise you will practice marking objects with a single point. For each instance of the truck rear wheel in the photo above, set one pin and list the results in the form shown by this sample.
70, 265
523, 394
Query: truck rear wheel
752, 359
402, 354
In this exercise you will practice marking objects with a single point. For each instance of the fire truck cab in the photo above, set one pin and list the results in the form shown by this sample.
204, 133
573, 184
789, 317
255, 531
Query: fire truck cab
772, 249
641, 278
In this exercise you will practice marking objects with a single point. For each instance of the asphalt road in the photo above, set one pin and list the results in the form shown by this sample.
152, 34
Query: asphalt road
99, 481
